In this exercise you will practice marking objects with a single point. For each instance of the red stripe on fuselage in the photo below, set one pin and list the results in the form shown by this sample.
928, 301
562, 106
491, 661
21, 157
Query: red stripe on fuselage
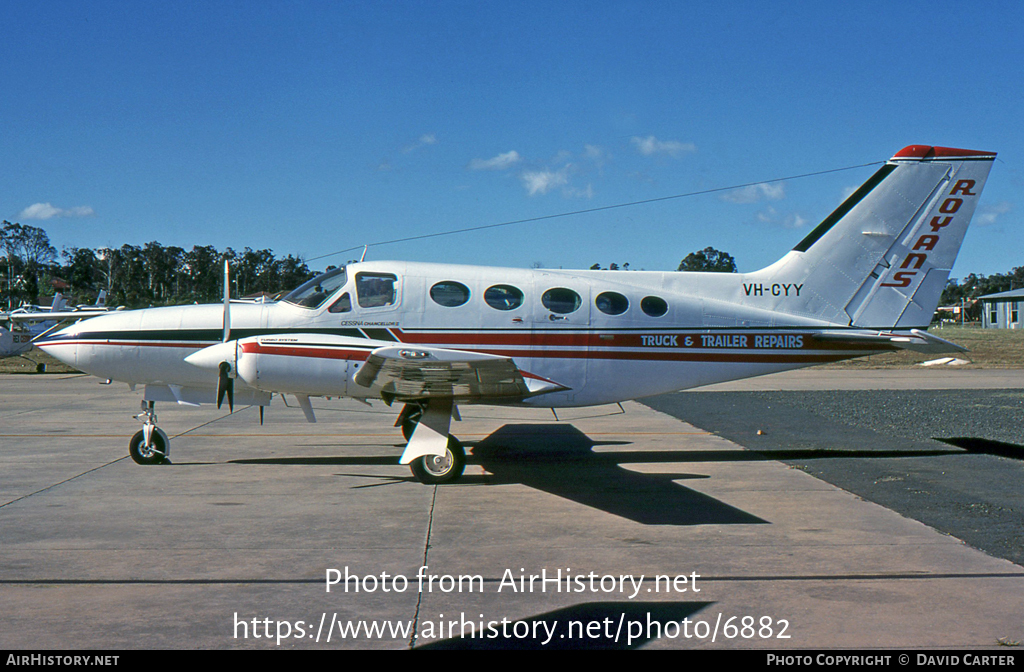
596, 340
833, 351
312, 351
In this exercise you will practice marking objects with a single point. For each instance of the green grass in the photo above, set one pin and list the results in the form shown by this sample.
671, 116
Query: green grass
27, 363
986, 349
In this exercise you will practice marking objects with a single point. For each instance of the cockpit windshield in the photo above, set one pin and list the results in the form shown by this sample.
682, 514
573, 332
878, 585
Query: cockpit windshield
312, 294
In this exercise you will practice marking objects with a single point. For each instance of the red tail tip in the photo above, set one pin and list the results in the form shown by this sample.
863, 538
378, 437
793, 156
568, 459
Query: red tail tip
929, 152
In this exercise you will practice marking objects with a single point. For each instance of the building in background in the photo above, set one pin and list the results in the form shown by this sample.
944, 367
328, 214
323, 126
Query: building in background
1002, 310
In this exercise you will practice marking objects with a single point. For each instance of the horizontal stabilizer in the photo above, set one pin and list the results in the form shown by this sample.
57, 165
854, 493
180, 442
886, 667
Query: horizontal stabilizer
914, 339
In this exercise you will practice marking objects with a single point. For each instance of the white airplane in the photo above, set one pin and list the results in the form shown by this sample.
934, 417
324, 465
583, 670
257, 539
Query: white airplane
436, 336
31, 322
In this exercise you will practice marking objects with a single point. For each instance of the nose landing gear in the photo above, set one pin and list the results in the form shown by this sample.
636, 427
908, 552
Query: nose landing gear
150, 445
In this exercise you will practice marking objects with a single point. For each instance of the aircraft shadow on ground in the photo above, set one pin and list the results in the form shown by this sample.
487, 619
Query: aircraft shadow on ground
561, 460
567, 628
979, 446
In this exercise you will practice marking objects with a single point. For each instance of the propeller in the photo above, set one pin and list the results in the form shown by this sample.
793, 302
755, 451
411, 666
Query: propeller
223, 356
226, 385
226, 381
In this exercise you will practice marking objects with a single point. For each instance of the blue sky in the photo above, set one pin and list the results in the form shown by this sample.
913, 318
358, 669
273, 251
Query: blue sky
310, 127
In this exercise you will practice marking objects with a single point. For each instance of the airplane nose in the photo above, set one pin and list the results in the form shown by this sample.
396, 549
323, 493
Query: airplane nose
62, 345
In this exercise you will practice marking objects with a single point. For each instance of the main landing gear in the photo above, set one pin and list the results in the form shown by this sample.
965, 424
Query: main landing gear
432, 469
150, 444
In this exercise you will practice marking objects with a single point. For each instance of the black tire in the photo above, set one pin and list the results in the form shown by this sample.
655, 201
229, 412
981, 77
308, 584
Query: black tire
154, 454
410, 421
433, 470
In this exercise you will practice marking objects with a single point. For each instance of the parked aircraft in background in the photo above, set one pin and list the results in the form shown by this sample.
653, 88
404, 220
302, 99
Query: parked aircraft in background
29, 322
437, 336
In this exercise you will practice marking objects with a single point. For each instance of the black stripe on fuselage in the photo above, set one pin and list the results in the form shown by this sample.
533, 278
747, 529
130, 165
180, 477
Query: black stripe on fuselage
379, 334
216, 335
200, 335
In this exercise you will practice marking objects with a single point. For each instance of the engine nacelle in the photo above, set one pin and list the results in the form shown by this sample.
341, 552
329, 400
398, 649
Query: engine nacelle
305, 364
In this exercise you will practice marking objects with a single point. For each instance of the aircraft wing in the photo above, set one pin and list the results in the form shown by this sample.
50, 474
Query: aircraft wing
917, 340
416, 373
15, 316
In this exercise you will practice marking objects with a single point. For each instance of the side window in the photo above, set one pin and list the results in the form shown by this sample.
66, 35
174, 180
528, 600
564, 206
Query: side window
503, 297
342, 305
611, 303
561, 300
654, 306
449, 293
375, 289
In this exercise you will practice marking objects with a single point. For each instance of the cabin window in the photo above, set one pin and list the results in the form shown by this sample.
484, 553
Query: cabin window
993, 317
1014, 314
342, 305
654, 306
313, 293
503, 297
611, 303
449, 293
561, 300
375, 289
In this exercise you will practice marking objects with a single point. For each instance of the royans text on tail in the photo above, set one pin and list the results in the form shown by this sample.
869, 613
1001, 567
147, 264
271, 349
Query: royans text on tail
881, 260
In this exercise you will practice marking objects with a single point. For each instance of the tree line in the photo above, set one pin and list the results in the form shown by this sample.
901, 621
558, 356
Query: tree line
136, 276
157, 275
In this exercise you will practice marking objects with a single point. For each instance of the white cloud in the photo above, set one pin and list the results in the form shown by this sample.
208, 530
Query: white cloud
48, 211
790, 220
543, 181
563, 156
767, 215
755, 192
424, 141
794, 221
499, 162
990, 213
572, 192
650, 146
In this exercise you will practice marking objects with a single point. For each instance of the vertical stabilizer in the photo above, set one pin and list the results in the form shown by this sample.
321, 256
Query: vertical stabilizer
881, 260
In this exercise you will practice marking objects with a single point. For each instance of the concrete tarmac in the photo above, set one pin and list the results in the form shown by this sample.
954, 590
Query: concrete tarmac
671, 537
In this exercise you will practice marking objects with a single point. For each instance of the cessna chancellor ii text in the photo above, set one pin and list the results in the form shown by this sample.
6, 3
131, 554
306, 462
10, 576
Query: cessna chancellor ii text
435, 336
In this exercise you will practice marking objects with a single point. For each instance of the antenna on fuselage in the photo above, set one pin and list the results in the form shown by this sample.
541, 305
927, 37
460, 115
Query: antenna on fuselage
365, 248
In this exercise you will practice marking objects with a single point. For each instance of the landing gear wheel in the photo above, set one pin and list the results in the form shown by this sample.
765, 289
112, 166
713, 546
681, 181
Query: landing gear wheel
155, 453
433, 470
409, 422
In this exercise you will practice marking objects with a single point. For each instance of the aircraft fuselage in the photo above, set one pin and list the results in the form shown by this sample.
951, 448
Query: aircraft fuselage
607, 336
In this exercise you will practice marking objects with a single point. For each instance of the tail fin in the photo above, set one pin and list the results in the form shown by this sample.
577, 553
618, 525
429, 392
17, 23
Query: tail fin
58, 303
881, 260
